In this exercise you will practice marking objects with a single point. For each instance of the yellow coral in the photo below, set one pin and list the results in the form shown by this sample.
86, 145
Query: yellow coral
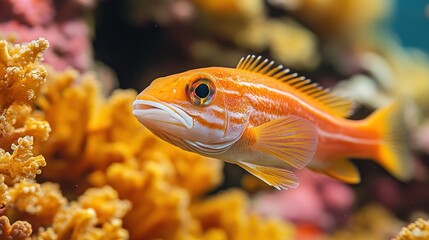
105, 203
75, 222
16, 122
336, 18
19, 230
228, 213
65, 148
419, 230
96, 140
21, 163
239, 8
4, 194
96, 215
372, 222
292, 44
21, 76
36, 203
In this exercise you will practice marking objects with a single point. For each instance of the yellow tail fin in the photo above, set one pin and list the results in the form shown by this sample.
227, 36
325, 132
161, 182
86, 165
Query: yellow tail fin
394, 152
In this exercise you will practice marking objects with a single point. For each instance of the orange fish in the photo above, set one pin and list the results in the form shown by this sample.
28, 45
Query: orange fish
270, 122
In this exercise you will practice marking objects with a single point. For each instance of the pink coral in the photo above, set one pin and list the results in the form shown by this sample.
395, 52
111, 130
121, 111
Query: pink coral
70, 45
317, 201
33, 12
60, 22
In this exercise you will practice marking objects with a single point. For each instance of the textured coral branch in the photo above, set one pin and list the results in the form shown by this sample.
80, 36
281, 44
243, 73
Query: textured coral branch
19, 230
419, 230
96, 216
36, 203
21, 163
20, 74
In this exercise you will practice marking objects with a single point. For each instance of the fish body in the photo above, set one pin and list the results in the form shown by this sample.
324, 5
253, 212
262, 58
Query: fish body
270, 122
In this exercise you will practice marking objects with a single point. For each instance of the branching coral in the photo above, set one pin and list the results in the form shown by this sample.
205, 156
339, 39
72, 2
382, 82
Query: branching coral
372, 222
36, 203
21, 77
96, 215
67, 142
20, 164
335, 18
419, 230
228, 216
105, 203
19, 230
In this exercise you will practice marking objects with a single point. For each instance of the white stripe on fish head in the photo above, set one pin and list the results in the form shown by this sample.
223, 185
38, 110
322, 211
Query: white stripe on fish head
213, 126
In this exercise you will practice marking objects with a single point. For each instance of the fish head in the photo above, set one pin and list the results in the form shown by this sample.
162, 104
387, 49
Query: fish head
193, 110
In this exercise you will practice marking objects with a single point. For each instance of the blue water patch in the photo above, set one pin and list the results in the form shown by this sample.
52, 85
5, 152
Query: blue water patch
411, 23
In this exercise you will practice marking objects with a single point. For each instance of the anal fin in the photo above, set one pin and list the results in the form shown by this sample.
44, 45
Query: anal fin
277, 177
343, 170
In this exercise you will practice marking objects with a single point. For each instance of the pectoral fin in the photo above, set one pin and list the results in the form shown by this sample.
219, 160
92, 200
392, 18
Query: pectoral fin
291, 139
343, 170
277, 177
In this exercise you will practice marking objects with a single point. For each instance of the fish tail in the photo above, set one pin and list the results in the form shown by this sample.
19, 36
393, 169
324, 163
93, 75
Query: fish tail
394, 151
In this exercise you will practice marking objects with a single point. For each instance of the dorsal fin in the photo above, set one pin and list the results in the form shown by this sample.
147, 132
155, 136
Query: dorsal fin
333, 104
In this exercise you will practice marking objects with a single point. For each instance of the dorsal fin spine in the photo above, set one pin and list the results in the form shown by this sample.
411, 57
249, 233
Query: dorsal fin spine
267, 67
322, 93
293, 81
302, 84
259, 67
324, 97
316, 89
249, 62
239, 63
255, 63
311, 91
274, 70
310, 86
288, 77
281, 73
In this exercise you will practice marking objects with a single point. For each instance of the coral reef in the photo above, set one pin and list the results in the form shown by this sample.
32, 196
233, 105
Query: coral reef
319, 201
22, 127
336, 19
419, 230
372, 222
143, 189
225, 216
19, 230
95, 215
21, 77
61, 23
75, 163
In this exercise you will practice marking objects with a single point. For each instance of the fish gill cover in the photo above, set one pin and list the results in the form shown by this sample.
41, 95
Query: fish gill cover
75, 163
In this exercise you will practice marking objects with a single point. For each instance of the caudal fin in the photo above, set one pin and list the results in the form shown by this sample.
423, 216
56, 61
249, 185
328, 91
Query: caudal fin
394, 152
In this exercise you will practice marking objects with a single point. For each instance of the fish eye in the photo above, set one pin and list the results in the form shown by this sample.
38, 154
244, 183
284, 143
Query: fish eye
201, 92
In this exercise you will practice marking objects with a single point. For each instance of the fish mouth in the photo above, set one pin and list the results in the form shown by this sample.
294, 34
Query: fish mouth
153, 111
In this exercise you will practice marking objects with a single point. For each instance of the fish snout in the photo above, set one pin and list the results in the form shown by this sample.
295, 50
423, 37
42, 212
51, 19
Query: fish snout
150, 111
